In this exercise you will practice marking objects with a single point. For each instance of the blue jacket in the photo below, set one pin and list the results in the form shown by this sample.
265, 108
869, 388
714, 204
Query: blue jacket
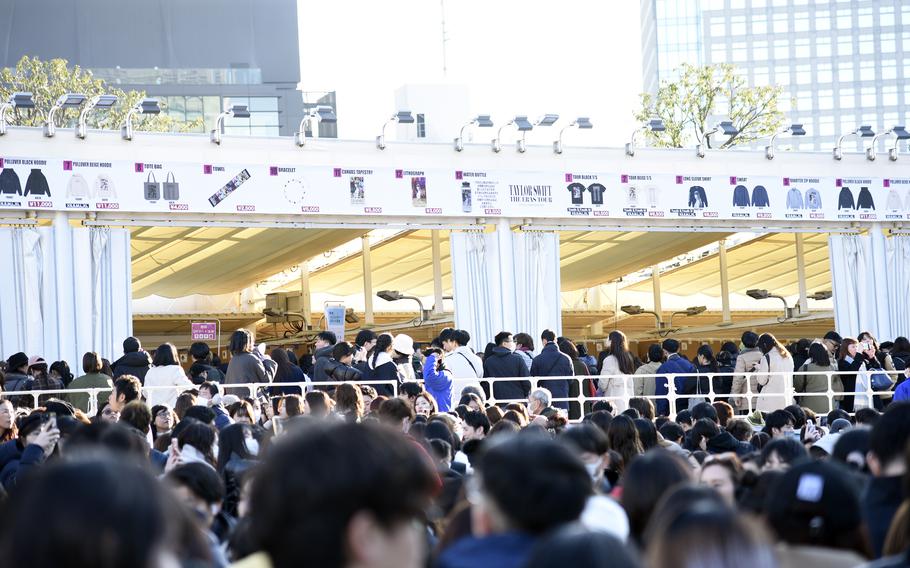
845, 199
740, 196
554, 363
760, 197
508, 550
902, 392
794, 199
674, 365
14, 463
438, 384
222, 419
505, 364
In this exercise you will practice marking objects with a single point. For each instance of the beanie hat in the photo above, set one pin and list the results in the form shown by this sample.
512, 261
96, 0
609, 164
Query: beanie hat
16, 360
131, 345
30, 423
813, 503
59, 407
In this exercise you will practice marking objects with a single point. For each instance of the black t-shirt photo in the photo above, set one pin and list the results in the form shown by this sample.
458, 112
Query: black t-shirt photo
597, 193
578, 193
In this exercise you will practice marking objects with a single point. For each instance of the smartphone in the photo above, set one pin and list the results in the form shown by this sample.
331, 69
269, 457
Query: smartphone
50, 422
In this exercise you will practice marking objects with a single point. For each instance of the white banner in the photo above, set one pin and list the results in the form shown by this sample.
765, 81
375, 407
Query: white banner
352, 190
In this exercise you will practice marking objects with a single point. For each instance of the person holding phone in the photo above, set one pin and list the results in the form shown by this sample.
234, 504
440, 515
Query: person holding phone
38, 436
854, 358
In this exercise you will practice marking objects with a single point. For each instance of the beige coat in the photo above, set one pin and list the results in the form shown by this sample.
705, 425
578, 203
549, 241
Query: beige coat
817, 382
645, 386
773, 373
745, 363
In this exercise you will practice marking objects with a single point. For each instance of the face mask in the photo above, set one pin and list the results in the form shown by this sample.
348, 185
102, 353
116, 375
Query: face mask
252, 446
592, 470
257, 416
215, 450
793, 435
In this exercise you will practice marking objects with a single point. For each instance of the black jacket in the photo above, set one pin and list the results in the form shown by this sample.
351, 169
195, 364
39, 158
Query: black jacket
848, 376
336, 371
725, 442
865, 201
845, 199
879, 504
211, 373
321, 357
136, 363
554, 363
505, 364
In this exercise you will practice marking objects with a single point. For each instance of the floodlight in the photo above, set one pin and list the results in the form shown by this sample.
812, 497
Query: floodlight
520, 122
481, 121
322, 113
863, 132
103, 102
789, 313
821, 295
236, 111
582, 123
898, 132
67, 101
725, 127
631, 310
793, 129
690, 311
545, 120
395, 295
653, 125
756, 294
145, 106
401, 117
16, 100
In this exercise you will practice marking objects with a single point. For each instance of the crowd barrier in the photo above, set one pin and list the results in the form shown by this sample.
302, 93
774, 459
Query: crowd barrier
750, 397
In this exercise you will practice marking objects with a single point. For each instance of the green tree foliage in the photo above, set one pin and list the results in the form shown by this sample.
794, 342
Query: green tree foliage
702, 95
47, 80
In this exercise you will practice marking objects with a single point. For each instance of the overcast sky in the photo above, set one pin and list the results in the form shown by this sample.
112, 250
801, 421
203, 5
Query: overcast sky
572, 57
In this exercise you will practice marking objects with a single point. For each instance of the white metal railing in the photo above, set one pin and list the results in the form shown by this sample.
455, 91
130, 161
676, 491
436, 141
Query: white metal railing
750, 396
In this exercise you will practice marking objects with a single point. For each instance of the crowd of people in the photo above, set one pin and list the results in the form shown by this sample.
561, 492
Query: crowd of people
383, 453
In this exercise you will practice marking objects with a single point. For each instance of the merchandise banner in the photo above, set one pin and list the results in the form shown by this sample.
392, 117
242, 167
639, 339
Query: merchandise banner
351, 190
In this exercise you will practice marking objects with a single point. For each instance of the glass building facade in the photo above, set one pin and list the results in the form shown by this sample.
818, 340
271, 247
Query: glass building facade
840, 62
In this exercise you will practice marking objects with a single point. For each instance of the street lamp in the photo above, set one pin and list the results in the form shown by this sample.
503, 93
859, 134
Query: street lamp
725, 127
862, 132
637, 310
761, 294
545, 120
654, 125
793, 129
481, 121
145, 106
521, 123
395, 295
322, 113
236, 111
103, 102
401, 117
581, 123
16, 100
899, 133
69, 100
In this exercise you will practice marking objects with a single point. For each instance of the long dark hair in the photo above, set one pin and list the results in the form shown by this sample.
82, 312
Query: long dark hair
201, 436
241, 342
708, 353
818, 354
285, 370
165, 355
624, 439
232, 440
619, 350
383, 342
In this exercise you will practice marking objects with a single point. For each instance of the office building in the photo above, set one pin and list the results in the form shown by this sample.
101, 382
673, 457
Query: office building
195, 56
841, 63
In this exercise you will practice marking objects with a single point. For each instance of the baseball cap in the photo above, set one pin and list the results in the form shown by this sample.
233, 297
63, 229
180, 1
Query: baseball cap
834, 336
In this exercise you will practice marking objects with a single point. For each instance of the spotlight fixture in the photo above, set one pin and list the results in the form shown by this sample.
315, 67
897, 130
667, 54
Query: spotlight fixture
725, 127
637, 310
401, 117
545, 120
821, 295
899, 133
67, 101
690, 311
653, 125
521, 123
321, 113
16, 101
145, 106
395, 295
102, 102
863, 132
481, 121
236, 111
793, 129
789, 313
582, 123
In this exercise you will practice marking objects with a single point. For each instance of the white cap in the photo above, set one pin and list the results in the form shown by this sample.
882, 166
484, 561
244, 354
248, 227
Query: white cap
403, 344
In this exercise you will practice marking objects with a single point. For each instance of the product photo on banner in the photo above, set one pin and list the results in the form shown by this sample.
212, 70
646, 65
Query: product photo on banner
845, 199
77, 188
760, 197
794, 199
741, 196
171, 188
698, 199
813, 199
9, 182
104, 188
865, 201
37, 184
151, 188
